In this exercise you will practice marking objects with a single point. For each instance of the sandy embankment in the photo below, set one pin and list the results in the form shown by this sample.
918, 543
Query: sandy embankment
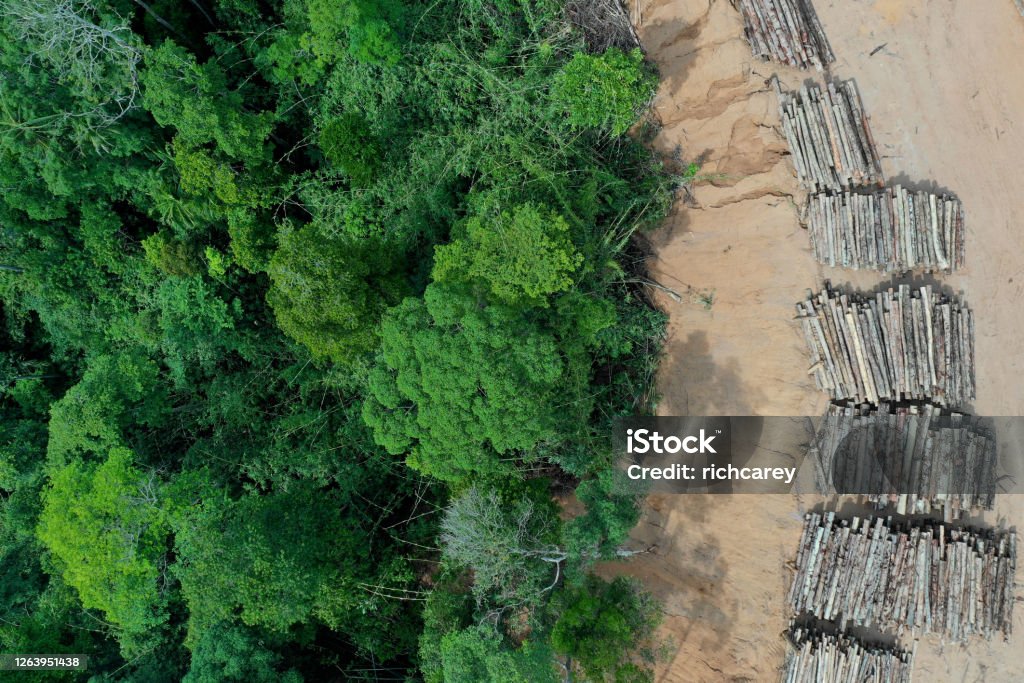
945, 108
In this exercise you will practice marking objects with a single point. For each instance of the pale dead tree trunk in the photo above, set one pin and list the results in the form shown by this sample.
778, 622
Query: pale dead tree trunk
203, 11
12, 269
566, 668
160, 20
394, 593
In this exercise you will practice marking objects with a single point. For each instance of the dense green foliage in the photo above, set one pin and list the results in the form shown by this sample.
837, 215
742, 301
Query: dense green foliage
603, 626
329, 294
463, 387
310, 310
106, 532
602, 91
522, 257
477, 653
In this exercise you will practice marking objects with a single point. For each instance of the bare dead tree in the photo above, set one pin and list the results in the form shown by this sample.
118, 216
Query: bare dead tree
95, 56
508, 547
148, 9
504, 544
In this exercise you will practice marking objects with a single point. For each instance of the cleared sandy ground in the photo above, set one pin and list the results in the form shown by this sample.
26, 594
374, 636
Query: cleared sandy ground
945, 93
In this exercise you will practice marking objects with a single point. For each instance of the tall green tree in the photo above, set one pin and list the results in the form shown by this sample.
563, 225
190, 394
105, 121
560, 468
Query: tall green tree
199, 103
107, 531
603, 629
479, 655
467, 388
606, 91
330, 293
522, 256
234, 653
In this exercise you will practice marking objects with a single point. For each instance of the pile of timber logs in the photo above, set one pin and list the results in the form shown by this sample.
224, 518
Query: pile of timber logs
923, 577
908, 456
893, 230
786, 31
898, 345
829, 137
844, 659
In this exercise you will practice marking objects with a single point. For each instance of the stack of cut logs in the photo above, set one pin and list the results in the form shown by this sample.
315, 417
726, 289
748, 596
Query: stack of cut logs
786, 31
919, 576
909, 456
843, 659
829, 137
898, 345
892, 230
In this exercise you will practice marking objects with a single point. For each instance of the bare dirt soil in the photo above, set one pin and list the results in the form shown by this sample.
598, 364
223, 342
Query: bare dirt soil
942, 84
